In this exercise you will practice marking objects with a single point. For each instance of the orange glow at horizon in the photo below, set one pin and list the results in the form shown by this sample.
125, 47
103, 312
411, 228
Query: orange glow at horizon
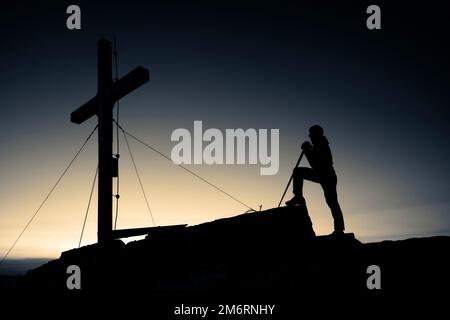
175, 197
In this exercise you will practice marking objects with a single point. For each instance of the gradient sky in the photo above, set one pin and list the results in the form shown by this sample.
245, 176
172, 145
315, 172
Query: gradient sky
382, 97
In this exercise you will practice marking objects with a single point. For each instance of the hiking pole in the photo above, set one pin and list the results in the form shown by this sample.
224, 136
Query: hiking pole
290, 179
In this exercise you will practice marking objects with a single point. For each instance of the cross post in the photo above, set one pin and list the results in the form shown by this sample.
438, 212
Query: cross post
108, 92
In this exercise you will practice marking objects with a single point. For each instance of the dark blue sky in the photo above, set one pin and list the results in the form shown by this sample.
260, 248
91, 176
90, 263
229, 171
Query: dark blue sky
382, 96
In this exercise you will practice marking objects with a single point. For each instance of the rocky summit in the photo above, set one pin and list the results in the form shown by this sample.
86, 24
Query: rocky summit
272, 254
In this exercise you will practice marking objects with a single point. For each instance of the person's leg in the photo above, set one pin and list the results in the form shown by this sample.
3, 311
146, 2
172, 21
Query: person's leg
299, 175
330, 192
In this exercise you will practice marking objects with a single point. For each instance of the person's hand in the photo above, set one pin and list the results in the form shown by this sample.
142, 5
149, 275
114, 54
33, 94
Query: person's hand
306, 145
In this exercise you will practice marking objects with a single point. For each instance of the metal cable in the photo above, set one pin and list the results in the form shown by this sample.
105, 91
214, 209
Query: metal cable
184, 168
47, 196
88, 206
139, 178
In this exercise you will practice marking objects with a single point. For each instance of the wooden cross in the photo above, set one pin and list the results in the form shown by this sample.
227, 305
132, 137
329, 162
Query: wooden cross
108, 92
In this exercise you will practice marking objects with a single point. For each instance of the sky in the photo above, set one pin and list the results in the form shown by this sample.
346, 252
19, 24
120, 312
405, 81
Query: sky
382, 97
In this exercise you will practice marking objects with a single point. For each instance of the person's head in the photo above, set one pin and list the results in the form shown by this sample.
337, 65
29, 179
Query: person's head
315, 133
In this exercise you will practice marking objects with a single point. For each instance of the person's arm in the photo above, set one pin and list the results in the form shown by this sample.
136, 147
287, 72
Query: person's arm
308, 149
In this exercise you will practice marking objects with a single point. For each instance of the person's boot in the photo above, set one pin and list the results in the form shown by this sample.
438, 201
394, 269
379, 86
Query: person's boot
296, 201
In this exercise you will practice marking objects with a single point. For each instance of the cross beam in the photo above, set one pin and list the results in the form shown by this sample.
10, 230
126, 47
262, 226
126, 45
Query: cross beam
133, 80
108, 92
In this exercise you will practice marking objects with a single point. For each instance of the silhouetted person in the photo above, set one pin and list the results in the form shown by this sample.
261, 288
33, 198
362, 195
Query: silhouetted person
321, 171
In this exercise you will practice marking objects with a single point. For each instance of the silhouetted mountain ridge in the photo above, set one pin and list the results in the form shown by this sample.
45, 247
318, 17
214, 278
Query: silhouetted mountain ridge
268, 254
